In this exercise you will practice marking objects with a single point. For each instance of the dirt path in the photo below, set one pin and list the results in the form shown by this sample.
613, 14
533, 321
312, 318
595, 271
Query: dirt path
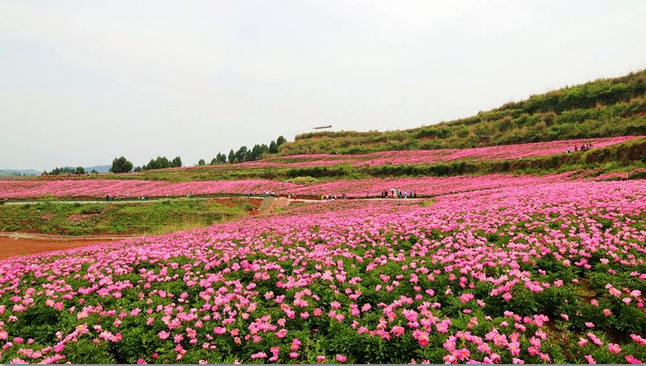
13, 246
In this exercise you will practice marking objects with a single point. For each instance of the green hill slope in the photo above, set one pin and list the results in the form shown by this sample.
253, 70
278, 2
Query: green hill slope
600, 108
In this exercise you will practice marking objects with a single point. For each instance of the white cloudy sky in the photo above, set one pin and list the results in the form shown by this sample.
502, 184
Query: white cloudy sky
84, 81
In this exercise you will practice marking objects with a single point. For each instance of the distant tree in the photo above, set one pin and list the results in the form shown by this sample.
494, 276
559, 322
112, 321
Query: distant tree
177, 162
66, 170
137, 169
241, 154
232, 156
95, 172
150, 165
264, 150
163, 162
79, 170
257, 152
273, 147
121, 165
281, 140
222, 158
214, 160
201, 162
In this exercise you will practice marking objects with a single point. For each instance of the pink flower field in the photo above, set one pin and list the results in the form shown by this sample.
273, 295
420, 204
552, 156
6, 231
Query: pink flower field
550, 272
134, 188
420, 157
427, 186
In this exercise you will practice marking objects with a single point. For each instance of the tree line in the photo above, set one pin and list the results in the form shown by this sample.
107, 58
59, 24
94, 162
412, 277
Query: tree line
68, 170
123, 165
243, 154
258, 151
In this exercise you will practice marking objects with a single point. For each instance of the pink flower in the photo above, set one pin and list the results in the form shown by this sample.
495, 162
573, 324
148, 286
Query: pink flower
340, 358
258, 355
595, 303
163, 335
632, 360
590, 359
320, 358
281, 333
614, 348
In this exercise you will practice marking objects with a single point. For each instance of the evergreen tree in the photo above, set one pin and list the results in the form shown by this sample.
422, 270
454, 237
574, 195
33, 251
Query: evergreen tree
121, 165
241, 154
177, 162
273, 147
222, 158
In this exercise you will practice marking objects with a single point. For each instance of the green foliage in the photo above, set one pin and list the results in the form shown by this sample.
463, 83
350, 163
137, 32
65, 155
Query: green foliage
57, 171
116, 218
306, 180
121, 165
162, 163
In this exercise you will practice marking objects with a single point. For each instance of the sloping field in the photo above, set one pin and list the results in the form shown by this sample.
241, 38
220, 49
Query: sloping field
415, 157
426, 186
551, 272
134, 189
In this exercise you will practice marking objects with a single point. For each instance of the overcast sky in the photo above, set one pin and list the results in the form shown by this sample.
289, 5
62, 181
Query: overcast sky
84, 81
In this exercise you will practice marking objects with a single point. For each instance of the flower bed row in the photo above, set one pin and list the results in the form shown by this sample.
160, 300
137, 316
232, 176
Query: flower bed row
98, 188
427, 186
420, 157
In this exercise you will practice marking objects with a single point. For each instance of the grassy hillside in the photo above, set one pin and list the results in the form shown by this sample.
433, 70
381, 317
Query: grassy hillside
601, 108
621, 157
155, 217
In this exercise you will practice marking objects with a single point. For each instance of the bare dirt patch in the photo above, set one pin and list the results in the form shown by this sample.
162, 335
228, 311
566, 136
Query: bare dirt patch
10, 247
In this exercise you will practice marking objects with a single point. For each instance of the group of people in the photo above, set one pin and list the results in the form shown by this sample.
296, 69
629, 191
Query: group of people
333, 197
396, 193
110, 197
290, 196
584, 147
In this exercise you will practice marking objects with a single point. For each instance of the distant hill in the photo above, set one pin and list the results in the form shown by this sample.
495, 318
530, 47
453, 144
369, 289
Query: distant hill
600, 108
21, 172
99, 168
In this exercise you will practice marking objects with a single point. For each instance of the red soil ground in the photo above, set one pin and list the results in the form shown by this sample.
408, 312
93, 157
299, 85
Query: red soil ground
10, 247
